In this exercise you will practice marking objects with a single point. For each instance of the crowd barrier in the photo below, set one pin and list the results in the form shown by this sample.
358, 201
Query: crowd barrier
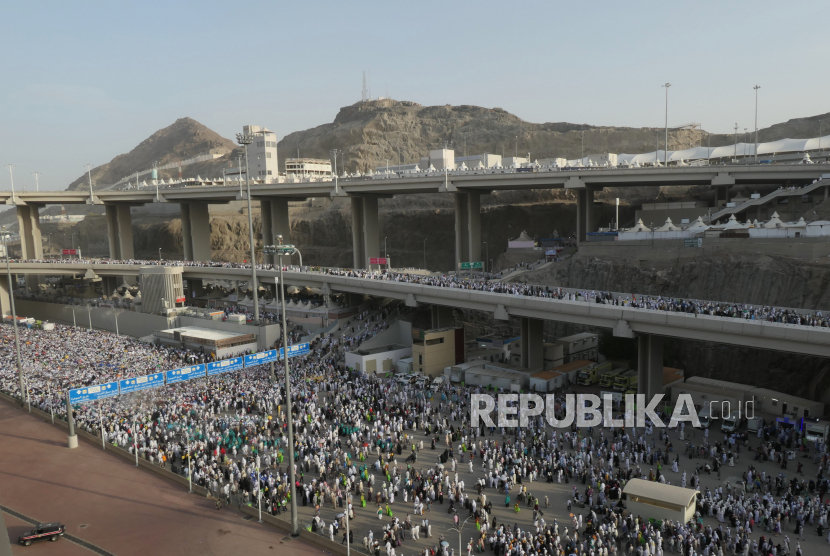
281, 524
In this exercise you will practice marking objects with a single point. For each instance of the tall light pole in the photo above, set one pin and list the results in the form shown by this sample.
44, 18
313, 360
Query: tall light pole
245, 140
666, 152
11, 177
516, 154
820, 124
756, 87
385, 251
425, 254
6, 236
89, 174
289, 250
37, 183
736, 141
582, 160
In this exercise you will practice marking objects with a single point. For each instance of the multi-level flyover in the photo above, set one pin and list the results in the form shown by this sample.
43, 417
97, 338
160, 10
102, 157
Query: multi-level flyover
466, 188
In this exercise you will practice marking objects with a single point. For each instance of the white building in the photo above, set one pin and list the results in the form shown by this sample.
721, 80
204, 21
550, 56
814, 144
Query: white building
262, 153
308, 167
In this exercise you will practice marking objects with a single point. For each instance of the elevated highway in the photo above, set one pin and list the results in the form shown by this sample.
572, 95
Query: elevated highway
649, 326
466, 188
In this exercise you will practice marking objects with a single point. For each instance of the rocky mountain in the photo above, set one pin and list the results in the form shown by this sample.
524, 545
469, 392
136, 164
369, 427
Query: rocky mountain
185, 138
370, 134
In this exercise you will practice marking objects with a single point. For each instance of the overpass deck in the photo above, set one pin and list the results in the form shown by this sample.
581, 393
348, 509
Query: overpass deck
624, 321
485, 181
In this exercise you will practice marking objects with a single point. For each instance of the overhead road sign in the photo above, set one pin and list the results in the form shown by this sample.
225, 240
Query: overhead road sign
93, 393
138, 383
185, 373
261, 358
69, 252
379, 260
226, 366
472, 265
296, 350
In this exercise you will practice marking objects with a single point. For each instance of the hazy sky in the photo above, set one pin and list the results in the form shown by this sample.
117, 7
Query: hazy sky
85, 81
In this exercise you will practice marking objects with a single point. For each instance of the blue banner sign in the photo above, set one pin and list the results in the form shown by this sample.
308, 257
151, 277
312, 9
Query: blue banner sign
185, 373
141, 383
261, 358
296, 350
92, 393
226, 366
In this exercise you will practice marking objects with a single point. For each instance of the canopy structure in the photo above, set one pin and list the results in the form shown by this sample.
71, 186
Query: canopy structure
726, 151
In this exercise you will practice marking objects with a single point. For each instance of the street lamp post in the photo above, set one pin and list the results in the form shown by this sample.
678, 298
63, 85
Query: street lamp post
11, 177
14, 315
258, 490
89, 174
281, 250
459, 528
246, 140
756, 87
666, 151
37, 183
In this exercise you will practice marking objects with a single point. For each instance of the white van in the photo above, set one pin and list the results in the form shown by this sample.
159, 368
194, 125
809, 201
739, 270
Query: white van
754, 424
704, 417
731, 422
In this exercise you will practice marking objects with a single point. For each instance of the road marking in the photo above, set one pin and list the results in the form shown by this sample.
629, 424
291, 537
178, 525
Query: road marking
67, 536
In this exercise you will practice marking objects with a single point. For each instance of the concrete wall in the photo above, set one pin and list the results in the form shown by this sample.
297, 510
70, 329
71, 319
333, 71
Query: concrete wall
130, 323
805, 247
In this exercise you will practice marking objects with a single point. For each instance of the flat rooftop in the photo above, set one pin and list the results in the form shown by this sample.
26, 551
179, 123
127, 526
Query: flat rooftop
203, 333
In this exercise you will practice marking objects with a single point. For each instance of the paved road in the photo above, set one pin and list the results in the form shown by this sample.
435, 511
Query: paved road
107, 502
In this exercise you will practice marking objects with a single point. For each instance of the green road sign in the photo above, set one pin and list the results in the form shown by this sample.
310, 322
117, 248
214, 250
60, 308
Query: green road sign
475, 265
693, 242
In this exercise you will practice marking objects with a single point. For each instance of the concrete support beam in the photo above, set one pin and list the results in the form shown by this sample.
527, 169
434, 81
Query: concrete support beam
194, 287
581, 202
5, 303
125, 232
474, 226
533, 349
187, 235
28, 221
371, 228
462, 241
112, 230
590, 224
365, 230
359, 259
267, 231
649, 365
200, 231
441, 316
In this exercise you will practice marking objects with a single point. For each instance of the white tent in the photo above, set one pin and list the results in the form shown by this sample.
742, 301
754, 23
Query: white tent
698, 225
774, 222
639, 227
668, 227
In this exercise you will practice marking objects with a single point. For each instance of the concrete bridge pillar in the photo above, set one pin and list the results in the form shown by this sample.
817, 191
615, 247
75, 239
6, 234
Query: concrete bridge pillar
441, 316
28, 221
120, 232
467, 227
275, 222
365, 230
196, 231
649, 365
5, 303
533, 349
